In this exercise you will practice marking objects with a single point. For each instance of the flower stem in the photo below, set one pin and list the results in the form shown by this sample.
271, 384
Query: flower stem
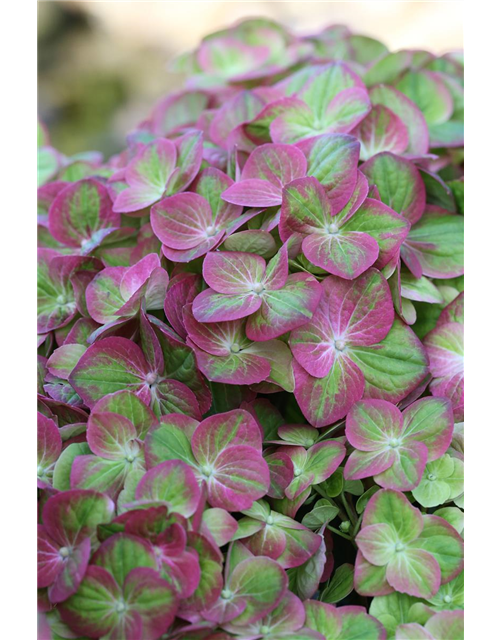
349, 511
339, 533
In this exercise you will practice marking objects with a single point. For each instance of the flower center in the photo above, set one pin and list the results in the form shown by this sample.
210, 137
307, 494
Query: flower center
258, 288
207, 471
64, 552
235, 348
265, 629
120, 606
394, 443
340, 345
431, 477
333, 228
269, 520
447, 599
211, 230
130, 458
151, 378
226, 594
61, 300
297, 472
399, 546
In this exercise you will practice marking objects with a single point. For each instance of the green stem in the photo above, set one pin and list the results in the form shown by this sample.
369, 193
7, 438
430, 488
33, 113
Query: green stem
331, 430
349, 511
321, 492
339, 533
356, 528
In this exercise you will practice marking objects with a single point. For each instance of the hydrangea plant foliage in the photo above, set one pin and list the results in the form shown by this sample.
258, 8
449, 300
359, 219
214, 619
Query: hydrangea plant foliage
250, 352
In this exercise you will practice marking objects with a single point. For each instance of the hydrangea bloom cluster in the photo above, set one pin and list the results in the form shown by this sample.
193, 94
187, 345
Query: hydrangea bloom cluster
250, 353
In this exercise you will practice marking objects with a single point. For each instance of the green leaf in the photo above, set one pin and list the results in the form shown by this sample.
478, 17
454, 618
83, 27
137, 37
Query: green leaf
364, 498
323, 512
340, 586
334, 484
225, 397
355, 487
268, 417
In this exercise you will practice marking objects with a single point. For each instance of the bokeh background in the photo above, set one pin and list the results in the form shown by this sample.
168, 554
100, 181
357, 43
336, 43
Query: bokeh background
102, 65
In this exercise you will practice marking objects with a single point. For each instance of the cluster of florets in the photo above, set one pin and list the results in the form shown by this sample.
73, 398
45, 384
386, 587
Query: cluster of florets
250, 355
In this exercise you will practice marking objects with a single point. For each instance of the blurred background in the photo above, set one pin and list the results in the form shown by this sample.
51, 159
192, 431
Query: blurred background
102, 65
